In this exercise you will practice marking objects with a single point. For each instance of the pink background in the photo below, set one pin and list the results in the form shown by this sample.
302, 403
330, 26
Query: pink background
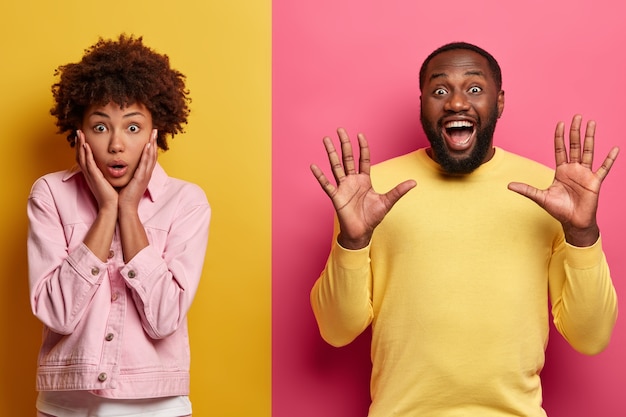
355, 64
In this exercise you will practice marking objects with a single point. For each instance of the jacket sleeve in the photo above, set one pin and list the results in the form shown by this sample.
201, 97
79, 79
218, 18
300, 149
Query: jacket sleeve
62, 282
584, 301
163, 285
341, 297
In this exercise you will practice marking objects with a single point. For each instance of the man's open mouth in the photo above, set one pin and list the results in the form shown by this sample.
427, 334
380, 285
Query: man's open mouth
458, 133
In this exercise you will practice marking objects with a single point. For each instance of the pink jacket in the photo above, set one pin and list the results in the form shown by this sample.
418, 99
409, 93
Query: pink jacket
116, 329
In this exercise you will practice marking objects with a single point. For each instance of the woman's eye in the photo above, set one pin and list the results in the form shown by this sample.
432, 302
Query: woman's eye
100, 128
133, 128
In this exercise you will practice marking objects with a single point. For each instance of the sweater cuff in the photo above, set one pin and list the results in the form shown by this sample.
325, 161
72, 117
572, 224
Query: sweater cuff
349, 258
584, 258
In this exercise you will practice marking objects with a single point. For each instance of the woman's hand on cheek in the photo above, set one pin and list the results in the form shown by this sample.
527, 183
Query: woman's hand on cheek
132, 193
102, 190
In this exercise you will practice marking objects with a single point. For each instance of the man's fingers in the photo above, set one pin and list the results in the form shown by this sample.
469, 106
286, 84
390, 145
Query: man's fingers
560, 153
364, 155
349, 166
333, 158
579, 152
399, 191
588, 146
608, 162
345, 164
528, 191
574, 139
326, 185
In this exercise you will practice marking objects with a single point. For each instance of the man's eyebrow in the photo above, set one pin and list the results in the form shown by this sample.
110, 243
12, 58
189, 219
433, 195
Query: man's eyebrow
469, 73
478, 73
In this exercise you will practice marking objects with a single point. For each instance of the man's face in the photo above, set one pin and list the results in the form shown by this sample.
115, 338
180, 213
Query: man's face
460, 107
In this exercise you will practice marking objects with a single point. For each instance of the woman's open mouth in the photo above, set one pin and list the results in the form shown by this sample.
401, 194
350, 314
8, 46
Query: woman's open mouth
117, 170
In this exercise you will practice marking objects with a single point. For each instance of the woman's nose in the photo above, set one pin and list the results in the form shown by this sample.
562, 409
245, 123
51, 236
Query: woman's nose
116, 142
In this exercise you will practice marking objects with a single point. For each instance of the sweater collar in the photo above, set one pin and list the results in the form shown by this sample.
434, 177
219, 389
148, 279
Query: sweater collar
487, 166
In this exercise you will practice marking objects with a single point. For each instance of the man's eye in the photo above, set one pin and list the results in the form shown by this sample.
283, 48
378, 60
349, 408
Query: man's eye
440, 92
475, 90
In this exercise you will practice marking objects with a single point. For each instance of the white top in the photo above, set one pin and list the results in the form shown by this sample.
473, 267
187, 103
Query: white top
85, 404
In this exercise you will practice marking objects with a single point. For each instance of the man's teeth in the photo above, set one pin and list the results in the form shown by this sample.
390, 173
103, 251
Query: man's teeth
458, 124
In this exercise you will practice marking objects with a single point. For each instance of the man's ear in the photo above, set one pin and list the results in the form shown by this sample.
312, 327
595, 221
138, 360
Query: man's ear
500, 103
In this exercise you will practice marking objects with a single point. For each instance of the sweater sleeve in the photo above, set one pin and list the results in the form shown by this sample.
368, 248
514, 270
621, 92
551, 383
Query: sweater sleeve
341, 297
584, 301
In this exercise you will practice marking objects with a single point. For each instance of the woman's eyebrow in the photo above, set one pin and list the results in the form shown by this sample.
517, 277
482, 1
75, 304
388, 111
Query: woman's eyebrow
99, 113
135, 113
103, 114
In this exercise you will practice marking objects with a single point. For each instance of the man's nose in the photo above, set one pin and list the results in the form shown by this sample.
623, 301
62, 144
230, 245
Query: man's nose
457, 102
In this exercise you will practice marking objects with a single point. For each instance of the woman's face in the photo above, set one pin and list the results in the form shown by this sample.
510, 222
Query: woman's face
117, 137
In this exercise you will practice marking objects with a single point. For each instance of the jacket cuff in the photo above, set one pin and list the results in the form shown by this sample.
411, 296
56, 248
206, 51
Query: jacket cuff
88, 265
142, 266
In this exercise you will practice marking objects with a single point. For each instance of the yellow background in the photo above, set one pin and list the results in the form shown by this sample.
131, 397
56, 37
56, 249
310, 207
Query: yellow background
223, 47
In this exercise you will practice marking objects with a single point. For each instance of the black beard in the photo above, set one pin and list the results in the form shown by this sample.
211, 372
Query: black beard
484, 139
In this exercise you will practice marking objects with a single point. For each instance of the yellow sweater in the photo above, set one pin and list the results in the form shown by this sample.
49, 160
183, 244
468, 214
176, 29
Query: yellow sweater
456, 284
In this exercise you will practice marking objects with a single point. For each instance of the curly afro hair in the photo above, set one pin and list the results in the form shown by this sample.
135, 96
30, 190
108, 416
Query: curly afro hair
123, 71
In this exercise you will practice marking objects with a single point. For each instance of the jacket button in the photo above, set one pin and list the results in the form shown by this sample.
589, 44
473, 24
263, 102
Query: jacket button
109, 337
132, 274
102, 377
111, 254
95, 271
